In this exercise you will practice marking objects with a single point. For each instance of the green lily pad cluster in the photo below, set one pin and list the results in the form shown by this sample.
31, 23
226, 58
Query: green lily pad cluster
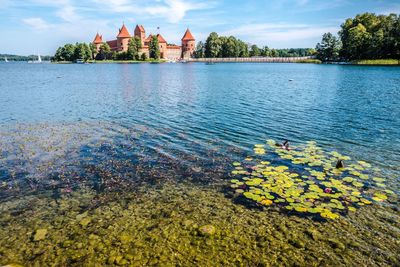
307, 180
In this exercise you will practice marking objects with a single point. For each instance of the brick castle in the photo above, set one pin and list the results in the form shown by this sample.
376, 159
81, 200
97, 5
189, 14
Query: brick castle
170, 52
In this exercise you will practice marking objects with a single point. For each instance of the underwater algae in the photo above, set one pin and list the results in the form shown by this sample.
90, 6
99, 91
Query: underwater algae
171, 221
186, 224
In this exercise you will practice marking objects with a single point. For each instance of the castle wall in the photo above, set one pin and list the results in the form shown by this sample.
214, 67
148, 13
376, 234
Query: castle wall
170, 52
174, 53
144, 50
163, 50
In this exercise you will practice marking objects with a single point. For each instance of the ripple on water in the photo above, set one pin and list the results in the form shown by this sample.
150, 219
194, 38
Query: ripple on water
117, 138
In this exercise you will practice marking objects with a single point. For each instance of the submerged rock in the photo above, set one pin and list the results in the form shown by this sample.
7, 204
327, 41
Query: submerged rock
84, 222
40, 234
207, 230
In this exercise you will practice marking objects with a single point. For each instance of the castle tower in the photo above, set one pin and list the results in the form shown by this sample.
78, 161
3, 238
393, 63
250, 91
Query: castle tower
141, 33
98, 40
162, 45
188, 45
123, 38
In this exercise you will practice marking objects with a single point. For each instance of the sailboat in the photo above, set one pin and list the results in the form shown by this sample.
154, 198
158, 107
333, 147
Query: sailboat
5, 59
36, 61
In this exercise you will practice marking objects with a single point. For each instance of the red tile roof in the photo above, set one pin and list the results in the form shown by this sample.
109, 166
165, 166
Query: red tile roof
113, 44
188, 36
148, 39
123, 32
161, 39
98, 39
141, 28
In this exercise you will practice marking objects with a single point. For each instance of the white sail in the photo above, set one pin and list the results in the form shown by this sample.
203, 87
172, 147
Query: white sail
39, 58
5, 59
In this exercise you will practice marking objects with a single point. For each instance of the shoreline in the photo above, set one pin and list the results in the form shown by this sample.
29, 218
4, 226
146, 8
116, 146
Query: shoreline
376, 62
364, 62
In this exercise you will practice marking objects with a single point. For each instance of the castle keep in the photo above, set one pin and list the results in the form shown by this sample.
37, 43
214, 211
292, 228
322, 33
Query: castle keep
170, 52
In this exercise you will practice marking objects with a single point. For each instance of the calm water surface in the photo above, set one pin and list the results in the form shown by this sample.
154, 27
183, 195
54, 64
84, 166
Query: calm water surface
65, 127
188, 110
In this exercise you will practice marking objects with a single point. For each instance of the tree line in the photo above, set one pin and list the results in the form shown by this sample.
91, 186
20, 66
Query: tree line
23, 58
85, 52
366, 36
223, 47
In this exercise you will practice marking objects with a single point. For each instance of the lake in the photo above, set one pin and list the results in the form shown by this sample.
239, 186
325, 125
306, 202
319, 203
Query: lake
131, 164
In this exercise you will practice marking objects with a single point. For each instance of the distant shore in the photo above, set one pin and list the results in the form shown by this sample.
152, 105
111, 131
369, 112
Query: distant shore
366, 62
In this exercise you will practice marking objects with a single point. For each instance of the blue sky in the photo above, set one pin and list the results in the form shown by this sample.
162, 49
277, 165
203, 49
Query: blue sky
40, 26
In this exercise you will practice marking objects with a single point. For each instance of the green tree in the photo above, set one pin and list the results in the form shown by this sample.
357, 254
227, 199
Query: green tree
243, 49
93, 50
113, 55
200, 50
254, 51
359, 41
329, 48
143, 57
58, 55
105, 51
395, 37
274, 53
68, 52
134, 46
229, 47
213, 45
368, 36
266, 52
82, 51
154, 48
123, 56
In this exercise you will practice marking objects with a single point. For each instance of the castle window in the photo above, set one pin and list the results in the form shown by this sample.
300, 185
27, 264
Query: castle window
186, 45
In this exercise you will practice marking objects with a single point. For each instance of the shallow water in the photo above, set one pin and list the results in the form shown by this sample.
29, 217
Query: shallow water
144, 152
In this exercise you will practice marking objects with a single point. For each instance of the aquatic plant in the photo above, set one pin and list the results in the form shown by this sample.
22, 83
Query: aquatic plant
307, 180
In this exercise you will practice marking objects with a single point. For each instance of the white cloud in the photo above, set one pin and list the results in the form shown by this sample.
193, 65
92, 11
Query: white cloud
37, 23
172, 10
280, 35
67, 13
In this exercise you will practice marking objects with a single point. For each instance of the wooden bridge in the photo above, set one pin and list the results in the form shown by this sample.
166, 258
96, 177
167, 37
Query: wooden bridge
251, 59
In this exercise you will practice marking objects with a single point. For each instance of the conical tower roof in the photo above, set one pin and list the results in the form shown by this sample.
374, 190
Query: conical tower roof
188, 36
123, 32
98, 39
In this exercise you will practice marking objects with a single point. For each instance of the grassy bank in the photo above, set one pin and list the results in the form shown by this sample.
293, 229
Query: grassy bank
311, 61
376, 62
